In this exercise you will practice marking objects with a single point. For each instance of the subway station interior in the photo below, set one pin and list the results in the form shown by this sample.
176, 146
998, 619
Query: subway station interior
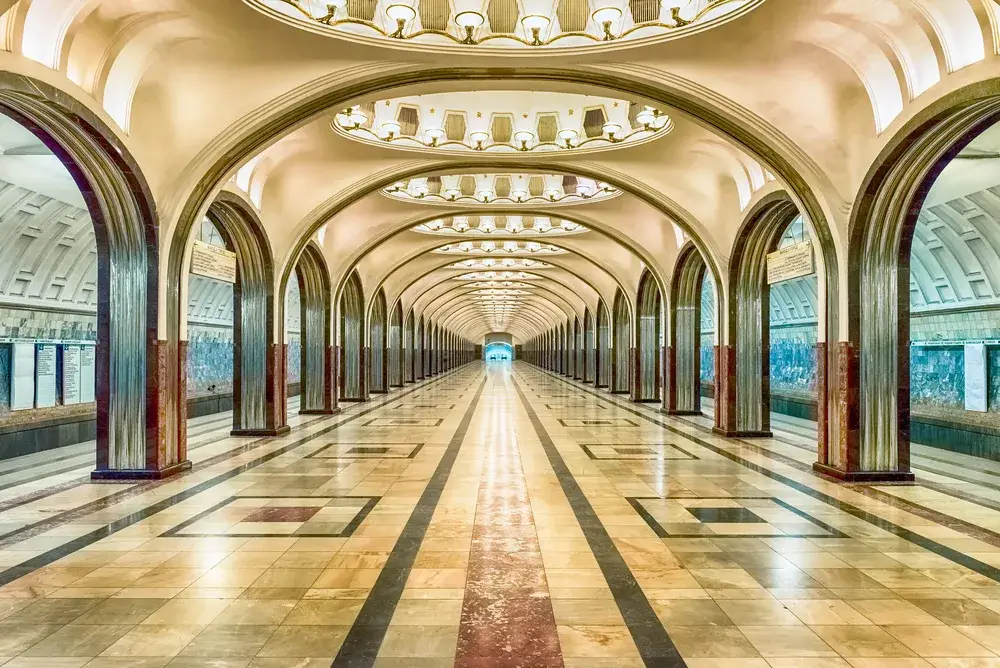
500, 333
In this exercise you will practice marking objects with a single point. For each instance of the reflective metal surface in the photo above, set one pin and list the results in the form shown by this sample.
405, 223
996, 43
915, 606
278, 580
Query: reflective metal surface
352, 308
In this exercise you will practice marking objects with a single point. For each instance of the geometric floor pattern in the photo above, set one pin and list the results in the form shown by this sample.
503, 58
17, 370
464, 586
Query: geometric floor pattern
499, 516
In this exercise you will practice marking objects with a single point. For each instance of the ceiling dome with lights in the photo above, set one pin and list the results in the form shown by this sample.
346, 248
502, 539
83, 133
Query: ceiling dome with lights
506, 263
503, 276
502, 122
522, 226
505, 247
501, 189
505, 25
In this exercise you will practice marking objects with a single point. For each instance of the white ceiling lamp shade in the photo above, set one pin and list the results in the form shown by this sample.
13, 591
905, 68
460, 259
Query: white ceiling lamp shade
568, 136
479, 139
433, 135
469, 21
607, 18
535, 26
487, 225
523, 138
390, 130
401, 14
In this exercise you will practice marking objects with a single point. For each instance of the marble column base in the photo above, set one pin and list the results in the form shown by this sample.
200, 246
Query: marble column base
869, 477
140, 474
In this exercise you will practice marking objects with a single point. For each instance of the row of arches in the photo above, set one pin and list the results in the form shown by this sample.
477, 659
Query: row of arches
863, 403
861, 386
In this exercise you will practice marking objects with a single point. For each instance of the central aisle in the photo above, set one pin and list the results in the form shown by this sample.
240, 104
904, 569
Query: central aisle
502, 516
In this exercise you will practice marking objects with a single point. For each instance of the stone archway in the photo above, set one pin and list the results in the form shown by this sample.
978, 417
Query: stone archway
352, 349
133, 388
648, 360
318, 394
259, 362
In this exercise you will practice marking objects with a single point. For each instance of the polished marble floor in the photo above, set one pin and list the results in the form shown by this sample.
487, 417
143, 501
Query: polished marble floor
498, 516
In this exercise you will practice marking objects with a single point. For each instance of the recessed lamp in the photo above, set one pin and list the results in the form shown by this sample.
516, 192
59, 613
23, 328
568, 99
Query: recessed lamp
432, 136
401, 14
535, 23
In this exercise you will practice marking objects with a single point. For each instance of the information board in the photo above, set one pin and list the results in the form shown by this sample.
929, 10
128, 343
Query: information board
71, 375
790, 262
22, 376
213, 262
45, 375
88, 373
975, 377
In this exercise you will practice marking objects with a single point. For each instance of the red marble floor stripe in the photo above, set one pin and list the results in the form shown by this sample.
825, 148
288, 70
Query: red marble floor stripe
507, 618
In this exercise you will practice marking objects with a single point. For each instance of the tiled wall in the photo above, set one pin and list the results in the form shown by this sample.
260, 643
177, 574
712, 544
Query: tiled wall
937, 375
209, 360
707, 358
793, 359
294, 357
18, 323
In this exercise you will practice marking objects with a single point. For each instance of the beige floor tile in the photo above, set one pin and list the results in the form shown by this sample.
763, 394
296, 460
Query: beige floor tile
940, 641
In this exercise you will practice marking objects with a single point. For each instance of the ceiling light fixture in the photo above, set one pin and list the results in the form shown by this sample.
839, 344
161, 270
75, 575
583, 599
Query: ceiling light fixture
391, 129
479, 137
611, 130
535, 23
606, 17
432, 136
568, 135
647, 117
469, 21
401, 14
523, 137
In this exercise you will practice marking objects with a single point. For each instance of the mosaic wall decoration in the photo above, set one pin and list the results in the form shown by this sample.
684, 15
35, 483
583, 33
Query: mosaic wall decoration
707, 371
793, 359
937, 375
294, 371
16, 323
209, 360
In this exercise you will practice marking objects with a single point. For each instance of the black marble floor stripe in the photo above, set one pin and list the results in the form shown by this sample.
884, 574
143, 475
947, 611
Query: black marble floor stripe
960, 558
968, 528
651, 639
13, 573
87, 456
363, 641
46, 492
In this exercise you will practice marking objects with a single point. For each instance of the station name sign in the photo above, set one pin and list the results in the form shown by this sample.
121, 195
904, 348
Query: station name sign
213, 262
790, 262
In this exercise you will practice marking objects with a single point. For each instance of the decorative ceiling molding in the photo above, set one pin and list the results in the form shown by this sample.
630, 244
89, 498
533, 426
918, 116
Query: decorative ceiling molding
497, 275
523, 226
506, 247
502, 122
505, 26
501, 189
504, 263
